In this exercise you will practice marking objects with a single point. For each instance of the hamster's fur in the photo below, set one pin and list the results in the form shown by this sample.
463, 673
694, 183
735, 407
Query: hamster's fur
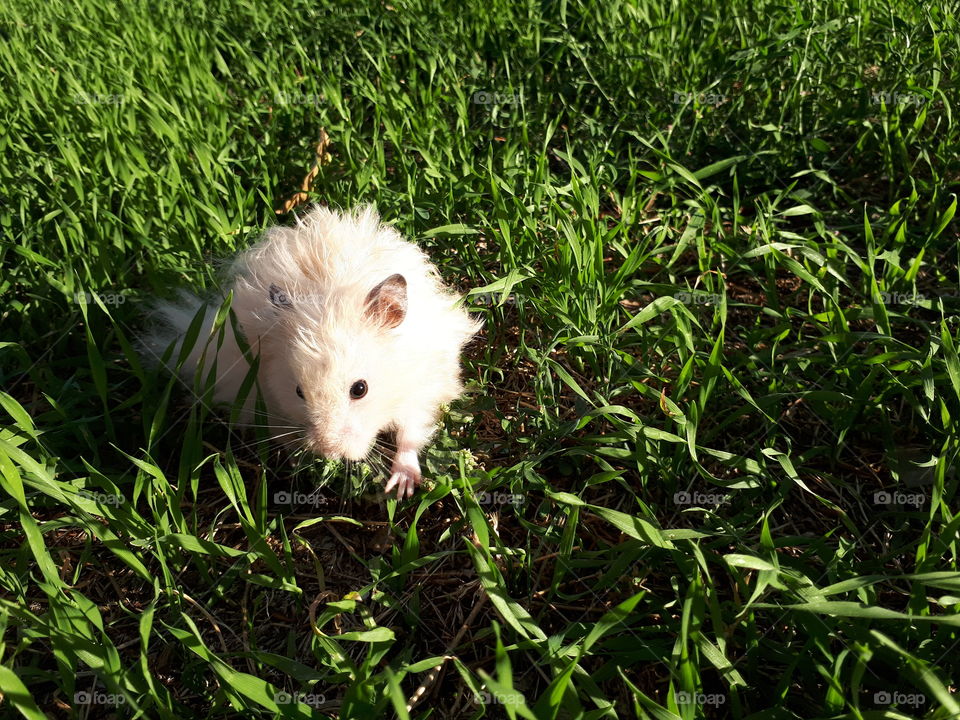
355, 334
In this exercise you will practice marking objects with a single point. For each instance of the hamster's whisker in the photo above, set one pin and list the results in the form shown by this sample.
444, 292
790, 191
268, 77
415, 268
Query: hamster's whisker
266, 426
295, 431
377, 459
250, 445
278, 436
267, 415
289, 442
383, 442
385, 449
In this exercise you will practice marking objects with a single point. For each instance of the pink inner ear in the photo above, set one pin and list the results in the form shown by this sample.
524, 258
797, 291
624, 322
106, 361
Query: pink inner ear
387, 302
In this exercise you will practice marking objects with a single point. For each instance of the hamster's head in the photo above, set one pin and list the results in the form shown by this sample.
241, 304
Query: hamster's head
334, 369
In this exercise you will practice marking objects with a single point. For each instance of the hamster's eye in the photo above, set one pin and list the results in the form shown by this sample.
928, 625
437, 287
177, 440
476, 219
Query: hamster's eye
300, 392
358, 389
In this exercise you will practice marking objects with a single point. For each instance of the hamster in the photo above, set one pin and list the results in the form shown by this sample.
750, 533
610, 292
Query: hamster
355, 333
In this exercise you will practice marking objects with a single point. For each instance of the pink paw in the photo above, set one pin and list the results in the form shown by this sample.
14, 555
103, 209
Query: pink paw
405, 477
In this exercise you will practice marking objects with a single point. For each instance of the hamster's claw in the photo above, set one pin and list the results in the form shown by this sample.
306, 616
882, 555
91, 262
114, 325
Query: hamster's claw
405, 477
404, 482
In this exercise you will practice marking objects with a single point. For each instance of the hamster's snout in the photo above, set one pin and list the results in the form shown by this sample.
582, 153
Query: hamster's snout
334, 444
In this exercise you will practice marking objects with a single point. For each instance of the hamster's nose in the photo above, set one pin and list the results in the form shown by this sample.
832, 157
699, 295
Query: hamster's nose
331, 445
320, 444
337, 445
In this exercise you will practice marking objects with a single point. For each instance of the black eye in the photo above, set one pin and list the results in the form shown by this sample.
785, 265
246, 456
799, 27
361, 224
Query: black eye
358, 389
300, 392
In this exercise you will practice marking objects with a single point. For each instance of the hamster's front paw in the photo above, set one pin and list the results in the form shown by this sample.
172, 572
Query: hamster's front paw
406, 474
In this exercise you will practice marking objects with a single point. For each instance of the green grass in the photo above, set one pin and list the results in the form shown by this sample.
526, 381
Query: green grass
715, 249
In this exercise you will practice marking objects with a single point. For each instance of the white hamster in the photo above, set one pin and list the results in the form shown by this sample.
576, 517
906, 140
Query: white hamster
355, 332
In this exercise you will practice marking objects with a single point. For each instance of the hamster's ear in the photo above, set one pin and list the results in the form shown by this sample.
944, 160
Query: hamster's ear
279, 298
387, 302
